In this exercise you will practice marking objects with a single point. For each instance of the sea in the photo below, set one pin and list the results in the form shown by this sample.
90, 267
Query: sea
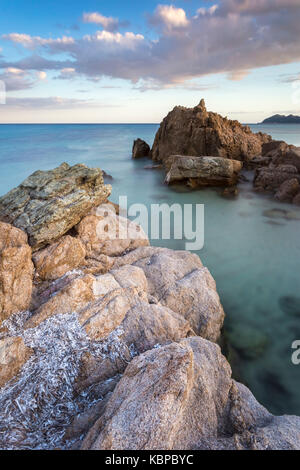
251, 243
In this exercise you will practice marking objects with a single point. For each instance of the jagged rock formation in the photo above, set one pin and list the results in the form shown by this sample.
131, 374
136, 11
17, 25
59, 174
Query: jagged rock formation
197, 132
206, 171
189, 138
140, 149
120, 353
280, 172
49, 203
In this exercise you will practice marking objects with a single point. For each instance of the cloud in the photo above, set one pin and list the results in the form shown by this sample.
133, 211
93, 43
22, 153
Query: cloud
289, 78
151, 84
256, 7
108, 23
207, 11
169, 17
238, 36
238, 75
16, 79
32, 42
41, 75
66, 73
127, 40
53, 102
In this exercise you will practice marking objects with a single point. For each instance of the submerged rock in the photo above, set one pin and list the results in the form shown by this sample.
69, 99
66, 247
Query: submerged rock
140, 149
197, 132
290, 305
49, 203
250, 342
230, 192
204, 171
282, 214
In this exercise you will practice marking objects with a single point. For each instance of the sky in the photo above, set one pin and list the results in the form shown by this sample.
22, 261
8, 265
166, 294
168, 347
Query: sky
97, 61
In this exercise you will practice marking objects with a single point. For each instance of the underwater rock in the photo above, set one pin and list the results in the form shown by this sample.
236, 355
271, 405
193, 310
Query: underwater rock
282, 214
249, 342
290, 305
230, 192
107, 176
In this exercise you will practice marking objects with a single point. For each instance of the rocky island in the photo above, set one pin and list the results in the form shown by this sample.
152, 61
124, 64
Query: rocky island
200, 148
282, 119
107, 342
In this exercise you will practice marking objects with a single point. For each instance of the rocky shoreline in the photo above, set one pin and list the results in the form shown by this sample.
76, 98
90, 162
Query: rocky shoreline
107, 342
200, 148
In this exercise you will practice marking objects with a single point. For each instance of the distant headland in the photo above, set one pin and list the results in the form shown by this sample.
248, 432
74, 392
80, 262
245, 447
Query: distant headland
281, 119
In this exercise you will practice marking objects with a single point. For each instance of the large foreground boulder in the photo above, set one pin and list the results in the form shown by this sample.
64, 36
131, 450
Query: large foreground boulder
103, 232
195, 405
49, 203
16, 271
197, 132
186, 287
204, 171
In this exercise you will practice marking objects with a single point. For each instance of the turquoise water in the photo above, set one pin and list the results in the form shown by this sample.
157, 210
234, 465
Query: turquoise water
253, 257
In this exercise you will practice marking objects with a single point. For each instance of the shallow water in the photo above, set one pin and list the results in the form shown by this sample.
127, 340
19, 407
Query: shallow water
252, 253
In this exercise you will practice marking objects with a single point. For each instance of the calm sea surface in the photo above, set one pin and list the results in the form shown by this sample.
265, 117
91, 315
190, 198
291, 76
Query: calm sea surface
254, 257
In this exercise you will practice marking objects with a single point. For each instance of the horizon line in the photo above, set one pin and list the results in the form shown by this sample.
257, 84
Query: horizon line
98, 123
